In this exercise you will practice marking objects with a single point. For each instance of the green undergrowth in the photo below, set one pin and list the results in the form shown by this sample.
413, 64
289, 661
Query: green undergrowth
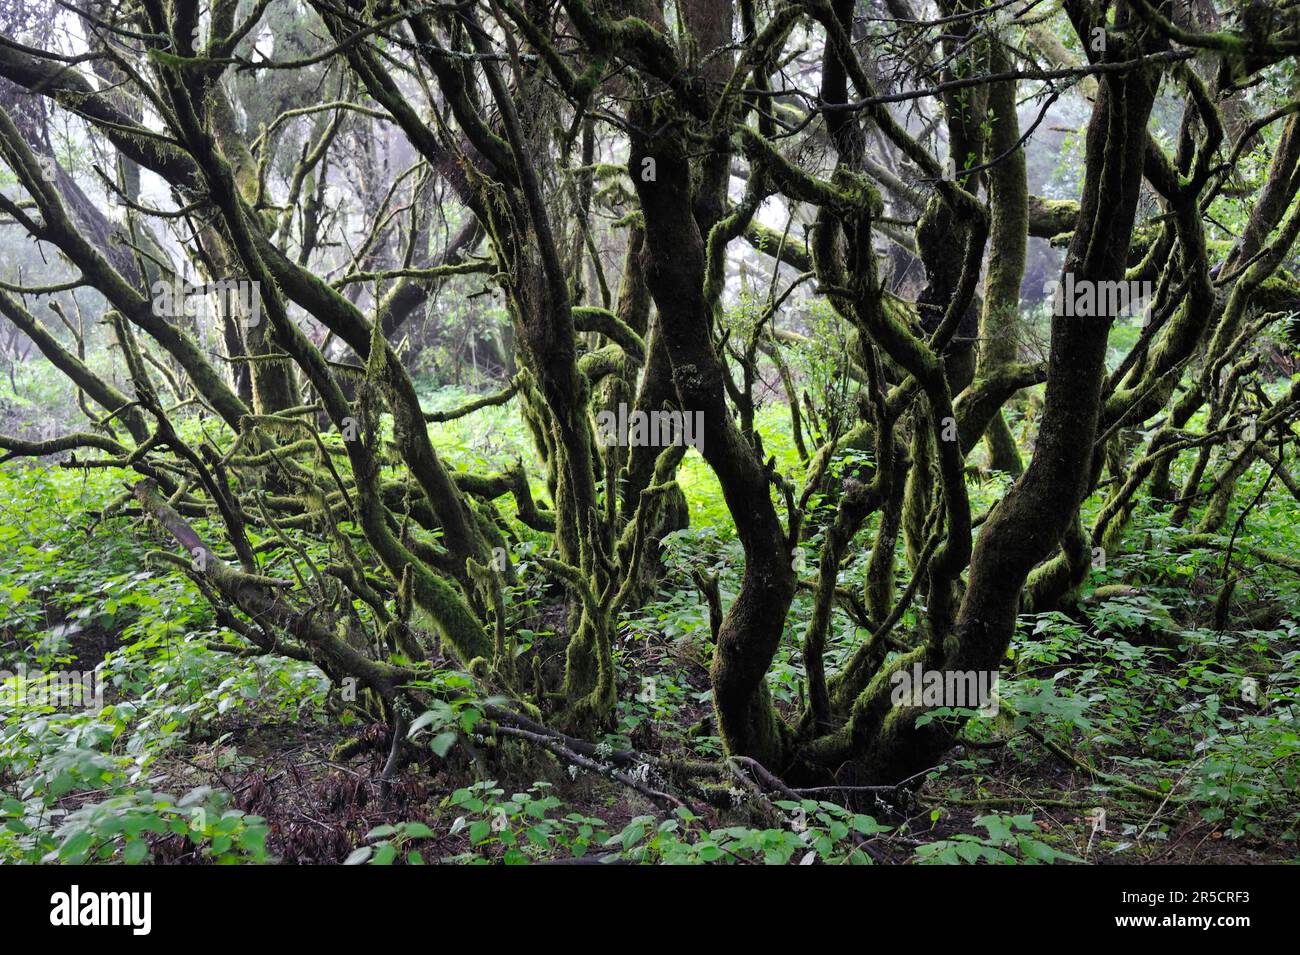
1138, 723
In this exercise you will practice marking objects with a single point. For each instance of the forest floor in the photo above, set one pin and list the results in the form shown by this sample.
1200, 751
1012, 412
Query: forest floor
319, 805
1157, 725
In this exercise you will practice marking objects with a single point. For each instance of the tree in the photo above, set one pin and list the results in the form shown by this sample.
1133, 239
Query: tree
660, 136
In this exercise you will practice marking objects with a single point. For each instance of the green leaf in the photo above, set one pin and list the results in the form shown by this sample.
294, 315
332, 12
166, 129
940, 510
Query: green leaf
420, 722
75, 846
135, 852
